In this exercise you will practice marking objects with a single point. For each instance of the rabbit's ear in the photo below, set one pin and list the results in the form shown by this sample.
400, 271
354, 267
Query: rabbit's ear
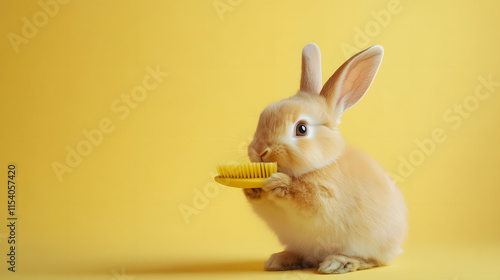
351, 81
310, 80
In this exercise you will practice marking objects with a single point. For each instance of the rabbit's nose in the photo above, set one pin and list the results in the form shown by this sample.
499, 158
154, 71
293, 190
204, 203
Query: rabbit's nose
264, 152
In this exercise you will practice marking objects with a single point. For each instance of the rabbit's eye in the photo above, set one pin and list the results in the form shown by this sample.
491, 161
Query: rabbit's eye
301, 129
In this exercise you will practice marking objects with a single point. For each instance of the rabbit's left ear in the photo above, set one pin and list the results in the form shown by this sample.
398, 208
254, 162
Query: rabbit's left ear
351, 81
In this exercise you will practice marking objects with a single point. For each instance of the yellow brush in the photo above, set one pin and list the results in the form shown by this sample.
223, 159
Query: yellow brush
244, 175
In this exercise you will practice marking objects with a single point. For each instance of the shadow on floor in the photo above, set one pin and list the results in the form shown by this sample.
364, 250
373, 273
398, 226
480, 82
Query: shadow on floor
205, 267
177, 267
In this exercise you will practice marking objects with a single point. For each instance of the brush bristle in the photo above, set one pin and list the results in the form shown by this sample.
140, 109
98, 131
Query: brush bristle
247, 170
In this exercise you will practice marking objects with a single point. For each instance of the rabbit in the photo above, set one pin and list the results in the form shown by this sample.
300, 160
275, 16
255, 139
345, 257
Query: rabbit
332, 207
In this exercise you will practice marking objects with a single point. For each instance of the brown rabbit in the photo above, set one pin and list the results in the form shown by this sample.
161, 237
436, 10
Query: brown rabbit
332, 206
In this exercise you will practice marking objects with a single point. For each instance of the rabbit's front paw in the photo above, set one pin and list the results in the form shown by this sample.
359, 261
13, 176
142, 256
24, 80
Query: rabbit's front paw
253, 193
278, 185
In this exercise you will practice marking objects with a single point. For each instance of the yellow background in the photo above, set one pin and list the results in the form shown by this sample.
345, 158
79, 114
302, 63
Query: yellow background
117, 214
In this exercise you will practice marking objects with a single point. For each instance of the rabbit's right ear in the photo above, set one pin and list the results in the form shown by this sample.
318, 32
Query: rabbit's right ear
310, 80
351, 81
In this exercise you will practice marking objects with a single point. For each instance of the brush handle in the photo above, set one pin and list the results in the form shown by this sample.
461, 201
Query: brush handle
240, 183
